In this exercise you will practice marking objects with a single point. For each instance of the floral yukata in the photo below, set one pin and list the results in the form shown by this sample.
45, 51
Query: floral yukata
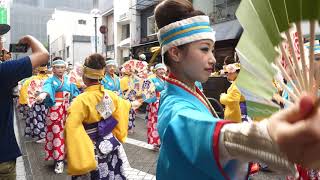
97, 123
60, 94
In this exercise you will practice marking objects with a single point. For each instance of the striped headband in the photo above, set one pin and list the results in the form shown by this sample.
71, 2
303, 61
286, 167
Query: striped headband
111, 63
159, 66
184, 32
59, 62
316, 46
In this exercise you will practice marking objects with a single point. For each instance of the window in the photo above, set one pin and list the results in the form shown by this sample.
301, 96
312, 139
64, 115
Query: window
125, 31
81, 21
151, 26
64, 54
68, 51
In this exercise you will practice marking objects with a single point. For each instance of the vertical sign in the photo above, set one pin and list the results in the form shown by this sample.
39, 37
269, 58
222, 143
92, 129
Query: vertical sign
3, 12
3, 15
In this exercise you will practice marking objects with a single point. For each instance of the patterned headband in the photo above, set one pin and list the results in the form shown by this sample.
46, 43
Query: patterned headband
59, 62
111, 63
184, 32
159, 66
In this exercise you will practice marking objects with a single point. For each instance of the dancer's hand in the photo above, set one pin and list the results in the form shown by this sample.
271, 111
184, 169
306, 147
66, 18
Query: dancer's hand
296, 130
136, 103
41, 97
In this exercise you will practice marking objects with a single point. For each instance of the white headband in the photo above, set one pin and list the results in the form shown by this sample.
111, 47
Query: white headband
59, 62
159, 66
184, 32
111, 63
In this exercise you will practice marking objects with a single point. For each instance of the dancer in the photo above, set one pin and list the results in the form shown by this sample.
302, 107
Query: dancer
195, 144
57, 93
97, 123
36, 120
111, 80
152, 121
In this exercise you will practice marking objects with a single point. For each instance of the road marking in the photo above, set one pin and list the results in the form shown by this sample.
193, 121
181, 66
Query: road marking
139, 143
20, 169
130, 172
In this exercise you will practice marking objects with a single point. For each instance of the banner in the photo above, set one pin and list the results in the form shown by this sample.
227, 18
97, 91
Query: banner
3, 15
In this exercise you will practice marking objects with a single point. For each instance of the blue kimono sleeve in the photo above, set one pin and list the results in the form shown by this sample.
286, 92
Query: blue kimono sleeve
188, 140
159, 87
49, 88
74, 90
104, 83
120, 93
151, 100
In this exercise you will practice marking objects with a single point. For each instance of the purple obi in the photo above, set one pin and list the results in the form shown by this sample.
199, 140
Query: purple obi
244, 114
101, 128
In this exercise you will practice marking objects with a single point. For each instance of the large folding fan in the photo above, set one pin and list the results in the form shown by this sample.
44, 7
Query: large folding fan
273, 43
141, 85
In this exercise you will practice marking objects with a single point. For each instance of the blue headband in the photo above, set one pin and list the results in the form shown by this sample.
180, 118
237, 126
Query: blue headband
59, 62
111, 63
159, 66
184, 32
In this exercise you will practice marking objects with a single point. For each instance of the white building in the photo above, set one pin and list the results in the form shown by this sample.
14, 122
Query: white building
72, 35
126, 28
106, 9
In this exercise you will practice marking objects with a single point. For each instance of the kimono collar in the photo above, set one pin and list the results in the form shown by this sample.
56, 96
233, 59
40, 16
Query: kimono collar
198, 93
94, 88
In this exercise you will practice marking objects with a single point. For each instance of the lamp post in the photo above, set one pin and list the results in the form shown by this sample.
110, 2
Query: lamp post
95, 13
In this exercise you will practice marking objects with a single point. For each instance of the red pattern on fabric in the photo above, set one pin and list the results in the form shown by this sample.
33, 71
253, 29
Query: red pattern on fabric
152, 133
305, 174
34, 89
216, 136
54, 147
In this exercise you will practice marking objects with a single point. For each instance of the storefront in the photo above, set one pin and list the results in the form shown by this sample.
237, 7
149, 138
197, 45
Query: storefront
146, 47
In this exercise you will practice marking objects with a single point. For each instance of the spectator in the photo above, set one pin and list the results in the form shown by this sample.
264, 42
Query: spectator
142, 57
11, 72
4, 54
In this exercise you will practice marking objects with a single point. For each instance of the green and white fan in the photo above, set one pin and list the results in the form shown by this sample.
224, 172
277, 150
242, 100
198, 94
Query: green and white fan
272, 43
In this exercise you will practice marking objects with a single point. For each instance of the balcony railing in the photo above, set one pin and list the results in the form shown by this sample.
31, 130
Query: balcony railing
224, 10
143, 4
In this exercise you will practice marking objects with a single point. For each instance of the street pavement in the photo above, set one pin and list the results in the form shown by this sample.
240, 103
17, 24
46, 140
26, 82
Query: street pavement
31, 166
141, 165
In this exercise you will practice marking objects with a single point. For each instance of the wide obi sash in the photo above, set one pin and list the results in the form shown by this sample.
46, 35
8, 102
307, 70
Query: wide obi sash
101, 134
62, 96
101, 128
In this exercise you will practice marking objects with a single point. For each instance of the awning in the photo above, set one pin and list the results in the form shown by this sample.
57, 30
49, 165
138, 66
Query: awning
125, 43
228, 30
153, 42
4, 28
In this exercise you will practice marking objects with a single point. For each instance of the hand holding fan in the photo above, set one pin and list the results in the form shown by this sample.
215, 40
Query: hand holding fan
273, 42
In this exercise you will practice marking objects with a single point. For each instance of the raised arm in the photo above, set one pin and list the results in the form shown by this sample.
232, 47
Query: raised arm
39, 54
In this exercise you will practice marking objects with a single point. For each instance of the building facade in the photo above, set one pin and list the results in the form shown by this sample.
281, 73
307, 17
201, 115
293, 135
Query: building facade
72, 35
107, 15
223, 19
31, 16
126, 28
148, 30
228, 29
